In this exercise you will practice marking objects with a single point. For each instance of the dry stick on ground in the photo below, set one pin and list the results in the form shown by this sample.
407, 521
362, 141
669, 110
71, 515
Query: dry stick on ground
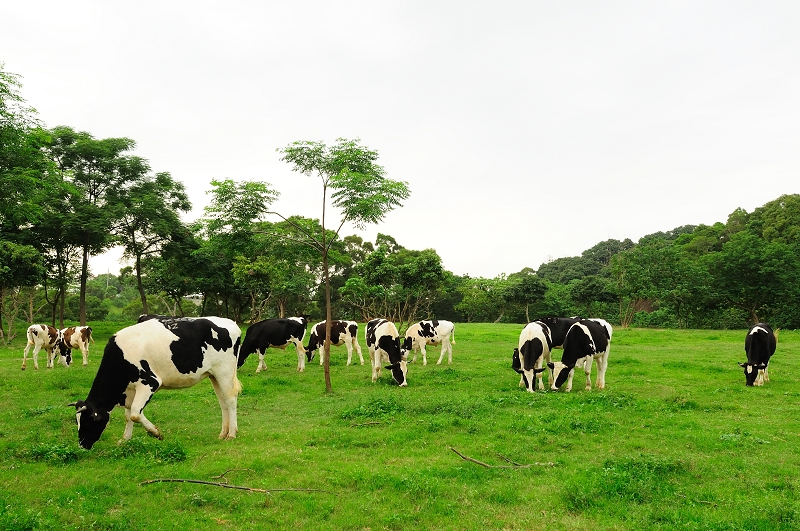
225, 484
486, 465
365, 424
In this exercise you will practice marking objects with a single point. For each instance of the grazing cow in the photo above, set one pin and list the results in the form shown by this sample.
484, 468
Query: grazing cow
76, 337
383, 342
424, 332
342, 333
534, 348
276, 333
759, 344
586, 340
44, 337
170, 353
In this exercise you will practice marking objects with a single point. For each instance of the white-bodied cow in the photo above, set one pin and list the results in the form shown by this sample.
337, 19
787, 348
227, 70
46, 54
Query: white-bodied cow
342, 333
44, 337
77, 337
162, 353
532, 351
430, 332
383, 342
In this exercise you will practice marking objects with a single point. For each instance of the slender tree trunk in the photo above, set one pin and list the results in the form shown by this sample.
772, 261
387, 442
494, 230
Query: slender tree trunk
140, 286
326, 346
84, 278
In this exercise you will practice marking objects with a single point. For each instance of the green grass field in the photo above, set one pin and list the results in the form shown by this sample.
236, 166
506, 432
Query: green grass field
676, 441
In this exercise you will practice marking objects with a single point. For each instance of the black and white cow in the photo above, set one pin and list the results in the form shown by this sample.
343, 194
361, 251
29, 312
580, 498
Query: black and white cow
169, 353
533, 349
275, 333
559, 326
759, 344
342, 333
586, 340
431, 331
45, 337
383, 342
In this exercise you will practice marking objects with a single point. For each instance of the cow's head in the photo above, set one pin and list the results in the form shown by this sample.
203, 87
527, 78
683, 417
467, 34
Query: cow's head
309, 353
560, 374
751, 371
406, 346
91, 423
399, 371
63, 350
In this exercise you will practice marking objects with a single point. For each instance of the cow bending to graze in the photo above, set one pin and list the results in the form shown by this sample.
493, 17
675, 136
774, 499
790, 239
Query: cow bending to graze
44, 337
342, 333
432, 331
275, 333
586, 340
759, 344
533, 349
171, 353
383, 342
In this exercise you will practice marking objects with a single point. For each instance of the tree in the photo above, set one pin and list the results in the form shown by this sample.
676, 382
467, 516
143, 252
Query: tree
20, 265
148, 219
358, 188
99, 171
525, 288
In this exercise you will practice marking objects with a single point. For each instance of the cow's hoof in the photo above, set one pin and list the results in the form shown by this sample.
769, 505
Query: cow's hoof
23, 368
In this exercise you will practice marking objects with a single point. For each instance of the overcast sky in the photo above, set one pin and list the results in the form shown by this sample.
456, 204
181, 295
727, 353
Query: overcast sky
526, 130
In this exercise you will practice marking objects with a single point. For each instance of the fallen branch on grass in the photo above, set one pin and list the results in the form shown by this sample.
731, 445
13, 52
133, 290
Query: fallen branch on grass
225, 485
365, 424
487, 465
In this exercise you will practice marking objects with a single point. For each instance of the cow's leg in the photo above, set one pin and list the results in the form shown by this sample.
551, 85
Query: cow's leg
445, 347
766, 373
375, 357
36, 349
569, 379
141, 396
25, 357
261, 365
126, 436
51, 354
587, 368
422, 350
358, 349
322, 353
348, 345
301, 356
227, 397
602, 365
85, 352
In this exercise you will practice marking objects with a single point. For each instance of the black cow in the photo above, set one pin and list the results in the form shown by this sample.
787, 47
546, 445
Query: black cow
585, 341
342, 333
158, 354
384, 344
275, 333
759, 345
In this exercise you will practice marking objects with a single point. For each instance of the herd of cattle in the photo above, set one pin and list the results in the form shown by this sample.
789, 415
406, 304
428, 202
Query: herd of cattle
162, 352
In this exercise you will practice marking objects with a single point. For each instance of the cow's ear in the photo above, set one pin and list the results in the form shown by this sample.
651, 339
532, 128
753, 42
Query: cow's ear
392, 366
551, 366
537, 371
742, 365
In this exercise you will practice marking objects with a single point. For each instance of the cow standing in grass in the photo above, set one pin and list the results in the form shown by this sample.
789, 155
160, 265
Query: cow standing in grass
162, 353
531, 353
48, 338
759, 344
383, 342
342, 333
275, 333
586, 340
77, 337
430, 332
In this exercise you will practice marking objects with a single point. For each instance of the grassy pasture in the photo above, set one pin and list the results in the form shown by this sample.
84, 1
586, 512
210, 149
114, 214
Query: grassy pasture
676, 441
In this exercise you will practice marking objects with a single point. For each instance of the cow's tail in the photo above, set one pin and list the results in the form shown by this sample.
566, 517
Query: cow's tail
91, 337
453, 335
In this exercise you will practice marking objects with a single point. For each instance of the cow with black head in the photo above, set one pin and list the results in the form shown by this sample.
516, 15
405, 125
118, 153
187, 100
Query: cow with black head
168, 353
586, 340
532, 351
383, 342
759, 344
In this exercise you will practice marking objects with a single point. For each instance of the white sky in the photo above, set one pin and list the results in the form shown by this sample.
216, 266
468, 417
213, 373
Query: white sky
527, 130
